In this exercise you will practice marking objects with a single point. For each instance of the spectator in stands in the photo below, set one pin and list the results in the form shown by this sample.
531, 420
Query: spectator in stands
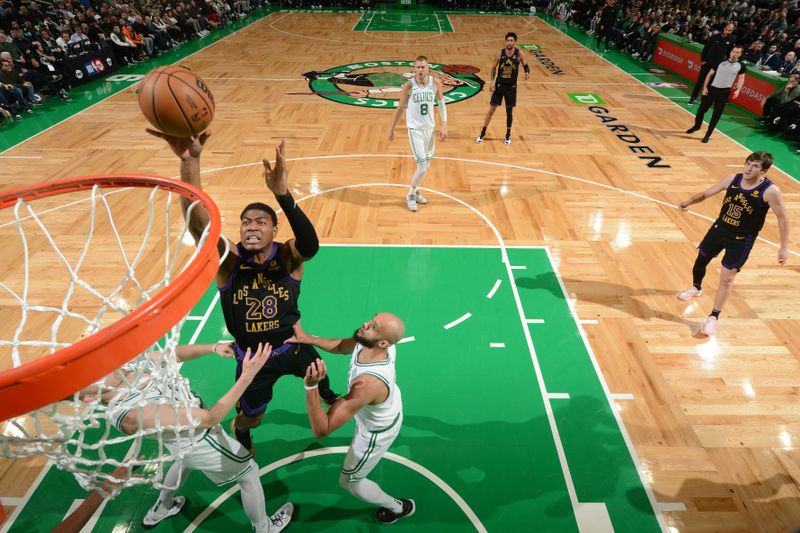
755, 53
714, 52
788, 64
12, 78
124, 47
772, 61
776, 103
142, 43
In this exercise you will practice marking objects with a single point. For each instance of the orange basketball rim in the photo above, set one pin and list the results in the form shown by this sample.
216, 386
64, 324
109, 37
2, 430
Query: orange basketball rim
53, 377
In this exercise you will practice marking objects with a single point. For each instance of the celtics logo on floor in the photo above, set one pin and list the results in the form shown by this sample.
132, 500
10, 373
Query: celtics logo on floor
378, 83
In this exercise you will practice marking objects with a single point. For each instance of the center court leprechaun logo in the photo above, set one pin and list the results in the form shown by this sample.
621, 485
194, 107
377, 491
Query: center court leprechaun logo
378, 83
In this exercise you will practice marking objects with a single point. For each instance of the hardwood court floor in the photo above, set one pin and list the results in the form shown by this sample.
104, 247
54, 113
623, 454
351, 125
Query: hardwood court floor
714, 422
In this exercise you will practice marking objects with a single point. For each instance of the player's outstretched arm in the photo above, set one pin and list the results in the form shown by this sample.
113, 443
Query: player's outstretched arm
774, 198
188, 149
362, 392
154, 415
404, 94
720, 186
187, 352
305, 244
340, 346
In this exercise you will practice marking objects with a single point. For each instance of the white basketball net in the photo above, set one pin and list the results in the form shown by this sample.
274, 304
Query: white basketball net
64, 287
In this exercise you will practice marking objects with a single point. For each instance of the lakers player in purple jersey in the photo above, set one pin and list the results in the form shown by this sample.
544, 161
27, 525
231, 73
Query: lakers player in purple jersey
259, 282
748, 197
504, 84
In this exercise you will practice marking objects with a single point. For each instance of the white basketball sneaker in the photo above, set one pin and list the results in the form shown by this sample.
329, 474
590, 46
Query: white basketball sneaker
710, 327
420, 199
689, 293
411, 201
281, 518
158, 512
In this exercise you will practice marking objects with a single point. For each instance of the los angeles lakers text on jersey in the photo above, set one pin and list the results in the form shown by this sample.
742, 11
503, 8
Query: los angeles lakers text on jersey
260, 301
744, 210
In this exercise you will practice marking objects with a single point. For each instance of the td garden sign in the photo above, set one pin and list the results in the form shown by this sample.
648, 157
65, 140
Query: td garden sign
379, 83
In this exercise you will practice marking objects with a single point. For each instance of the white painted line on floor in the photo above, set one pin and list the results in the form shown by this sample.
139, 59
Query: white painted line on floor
670, 507
621, 396
497, 345
74, 505
195, 318
6, 526
589, 322
557, 396
534, 320
494, 289
408, 463
20, 157
593, 518
406, 339
7, 500
458, 321
642, 477
519, 267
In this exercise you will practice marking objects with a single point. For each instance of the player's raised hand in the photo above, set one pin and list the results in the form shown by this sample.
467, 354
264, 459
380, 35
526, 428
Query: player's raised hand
277, 177
252, 363
315, 373
183, 147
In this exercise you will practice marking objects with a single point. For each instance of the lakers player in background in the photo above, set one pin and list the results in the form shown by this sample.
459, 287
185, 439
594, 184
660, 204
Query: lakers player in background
258, 282
373, 399
418, 98
505, 72
748, 197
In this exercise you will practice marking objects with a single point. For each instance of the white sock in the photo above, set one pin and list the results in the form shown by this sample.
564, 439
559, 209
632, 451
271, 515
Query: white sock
175, 478
253, 499
370, 492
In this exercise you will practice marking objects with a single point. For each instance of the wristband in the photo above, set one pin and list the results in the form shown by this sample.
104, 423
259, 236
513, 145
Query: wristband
310, 388
526, 68
286, 201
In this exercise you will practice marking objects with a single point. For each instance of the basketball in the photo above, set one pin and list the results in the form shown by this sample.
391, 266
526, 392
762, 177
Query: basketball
176, 101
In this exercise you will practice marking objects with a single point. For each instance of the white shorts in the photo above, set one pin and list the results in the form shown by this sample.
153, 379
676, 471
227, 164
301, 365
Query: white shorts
220, 457
422, 144
367, 448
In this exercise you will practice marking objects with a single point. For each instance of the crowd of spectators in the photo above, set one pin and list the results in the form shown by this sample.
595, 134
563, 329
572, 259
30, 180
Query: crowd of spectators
768, 31
37, 36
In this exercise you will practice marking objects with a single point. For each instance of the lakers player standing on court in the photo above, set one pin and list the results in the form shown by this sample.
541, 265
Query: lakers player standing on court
418, 98
748, 197
258, 281
504, 86
374, 400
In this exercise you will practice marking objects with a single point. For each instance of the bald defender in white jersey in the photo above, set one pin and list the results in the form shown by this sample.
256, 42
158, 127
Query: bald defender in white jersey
418, 98
374, 401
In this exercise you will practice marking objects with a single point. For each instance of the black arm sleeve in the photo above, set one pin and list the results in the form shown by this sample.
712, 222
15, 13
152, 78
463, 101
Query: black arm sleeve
306, 241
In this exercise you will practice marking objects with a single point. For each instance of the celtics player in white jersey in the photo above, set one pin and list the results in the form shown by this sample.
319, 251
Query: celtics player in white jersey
418, 97
374, 401
212, 451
